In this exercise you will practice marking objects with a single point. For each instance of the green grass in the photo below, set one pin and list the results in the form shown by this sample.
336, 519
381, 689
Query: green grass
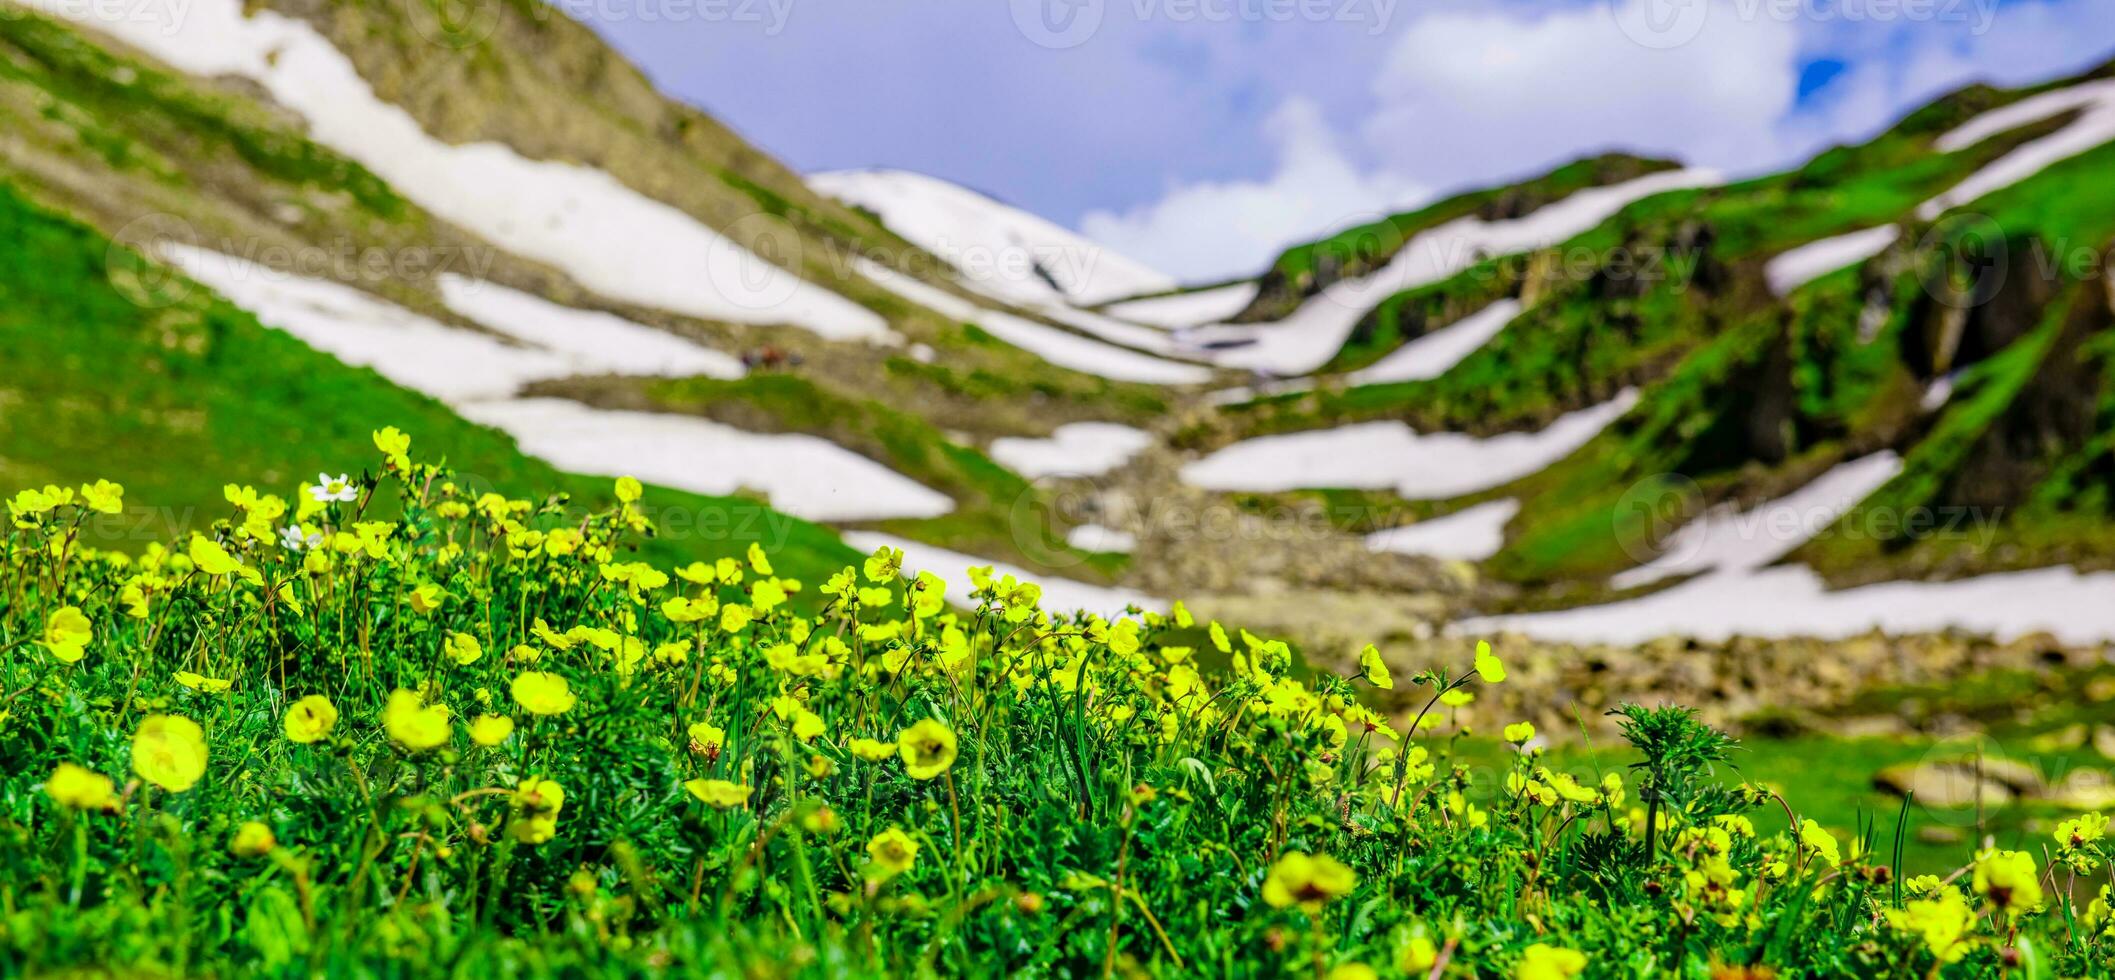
125, 106
1710, 348
164, 398
262, 762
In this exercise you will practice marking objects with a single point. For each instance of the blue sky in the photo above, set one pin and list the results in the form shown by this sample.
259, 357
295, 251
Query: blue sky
1200, 135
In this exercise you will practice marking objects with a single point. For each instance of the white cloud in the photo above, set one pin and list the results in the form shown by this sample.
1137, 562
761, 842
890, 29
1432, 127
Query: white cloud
1471, 98
1897, 67
1214, 229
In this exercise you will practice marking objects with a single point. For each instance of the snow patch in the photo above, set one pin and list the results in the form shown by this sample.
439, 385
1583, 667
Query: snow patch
478, 375
455, 366
1187, 309
1074, 450
802, 475
1393, 456
1060, 596
1000, 250
1435, 353
1049, 343
607, 236
1791, 601
1795, 268
615, 343
1313, 334
1728, 541
2095, 125
1094, 537
1471, 534
1739, 596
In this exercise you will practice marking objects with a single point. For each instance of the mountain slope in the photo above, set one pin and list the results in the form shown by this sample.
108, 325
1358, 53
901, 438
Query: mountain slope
1000, 250
1788, 332
165, 396
171, 163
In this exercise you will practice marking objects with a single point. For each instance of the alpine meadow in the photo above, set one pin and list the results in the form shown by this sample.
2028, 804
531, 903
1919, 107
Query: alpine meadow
1599, 489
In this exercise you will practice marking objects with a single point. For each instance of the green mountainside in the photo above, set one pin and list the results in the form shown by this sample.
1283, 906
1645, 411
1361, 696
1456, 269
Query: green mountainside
134, 153
1743, 394
1746, 395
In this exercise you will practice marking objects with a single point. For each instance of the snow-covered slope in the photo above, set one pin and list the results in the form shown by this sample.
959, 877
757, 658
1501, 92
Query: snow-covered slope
1063, 349
455, 366
600, 339
1793, 601
2095, 125
1075, 450
1731, 541
1740, 594
1187, 309
1431, 355
802, 475
1796, 267
479, 376
1314, 333
999, 250
605, 235
1470, 534
1391, 455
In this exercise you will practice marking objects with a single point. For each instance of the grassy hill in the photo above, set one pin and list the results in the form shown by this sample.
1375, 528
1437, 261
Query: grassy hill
163, 396
1746, 394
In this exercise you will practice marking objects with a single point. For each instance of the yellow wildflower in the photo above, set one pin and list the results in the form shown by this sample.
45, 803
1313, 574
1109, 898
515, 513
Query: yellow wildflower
885, 564
200, 682
2009, 880
253, 839
927, 748
719, 792
872, 749
1375, 669
426, 599
707, 739
169, 751
395, 447
464, 649
490, 730
414, 724
539, 800
1943, 921
79, 788
1488, 666
1812, 837
1545, 962
1309, 881
893, 853
309, 719
67, 634
542, 693
103, 497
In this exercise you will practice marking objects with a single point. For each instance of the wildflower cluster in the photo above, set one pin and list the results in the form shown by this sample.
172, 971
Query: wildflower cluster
388, 722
